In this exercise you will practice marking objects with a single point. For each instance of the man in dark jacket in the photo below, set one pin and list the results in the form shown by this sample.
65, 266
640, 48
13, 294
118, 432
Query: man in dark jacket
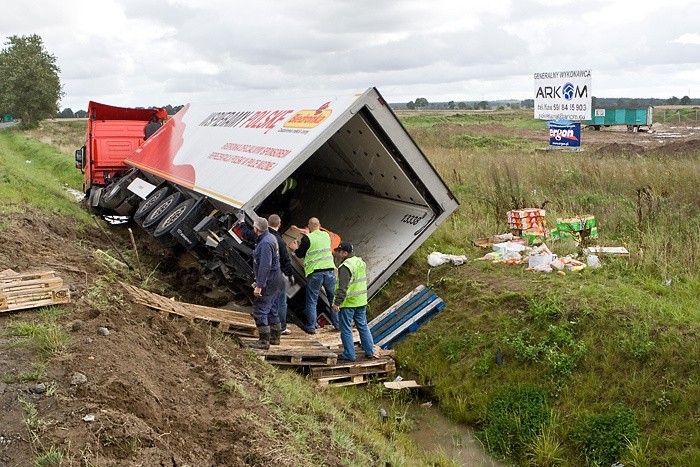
268, 281
274, 222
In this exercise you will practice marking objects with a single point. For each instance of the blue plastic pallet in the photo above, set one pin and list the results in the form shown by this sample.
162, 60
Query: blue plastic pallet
405, 316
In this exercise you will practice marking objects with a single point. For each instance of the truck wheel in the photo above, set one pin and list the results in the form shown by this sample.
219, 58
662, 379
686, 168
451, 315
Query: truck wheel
147, 205
115, 193
172, 220
160, 211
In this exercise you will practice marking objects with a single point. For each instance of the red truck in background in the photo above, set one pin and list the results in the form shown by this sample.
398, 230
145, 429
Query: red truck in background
212, 167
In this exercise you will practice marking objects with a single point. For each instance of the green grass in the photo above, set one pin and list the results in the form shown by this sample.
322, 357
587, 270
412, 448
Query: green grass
625, 335
35, 174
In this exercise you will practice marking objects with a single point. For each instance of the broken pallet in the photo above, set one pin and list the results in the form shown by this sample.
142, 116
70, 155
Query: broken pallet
228, 321
31, 290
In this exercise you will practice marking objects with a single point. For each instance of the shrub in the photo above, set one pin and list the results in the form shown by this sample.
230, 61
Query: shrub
514, 417
602, 438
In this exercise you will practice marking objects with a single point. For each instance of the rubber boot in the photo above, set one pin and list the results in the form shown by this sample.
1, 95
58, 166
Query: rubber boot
275, 332
264, 342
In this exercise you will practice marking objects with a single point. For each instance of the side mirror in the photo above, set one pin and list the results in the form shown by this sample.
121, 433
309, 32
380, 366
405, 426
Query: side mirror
79, 159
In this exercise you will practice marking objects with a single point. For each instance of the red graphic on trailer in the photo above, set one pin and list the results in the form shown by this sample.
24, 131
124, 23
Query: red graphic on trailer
157, 153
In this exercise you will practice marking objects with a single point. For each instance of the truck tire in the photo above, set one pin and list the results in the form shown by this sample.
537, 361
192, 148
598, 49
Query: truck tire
172, 220
147, 205
116, 192
160, 211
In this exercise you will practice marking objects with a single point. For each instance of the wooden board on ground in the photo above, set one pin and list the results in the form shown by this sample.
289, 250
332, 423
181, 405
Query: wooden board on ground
234, 322
410, 384
31, 290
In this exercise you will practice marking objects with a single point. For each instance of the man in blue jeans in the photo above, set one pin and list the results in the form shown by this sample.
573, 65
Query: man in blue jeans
319, 269
351, 302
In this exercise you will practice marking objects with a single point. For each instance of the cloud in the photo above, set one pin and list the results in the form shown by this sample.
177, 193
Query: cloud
148, 52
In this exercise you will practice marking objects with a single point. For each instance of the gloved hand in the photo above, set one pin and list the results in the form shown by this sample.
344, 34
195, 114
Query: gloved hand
240, 216
291, 279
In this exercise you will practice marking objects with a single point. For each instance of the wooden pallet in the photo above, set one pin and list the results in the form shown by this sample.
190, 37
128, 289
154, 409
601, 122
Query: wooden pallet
301, 350
33, 290
228, 321
351, 380
368, 366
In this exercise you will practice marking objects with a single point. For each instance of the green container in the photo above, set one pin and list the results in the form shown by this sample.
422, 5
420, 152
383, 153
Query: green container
7, 117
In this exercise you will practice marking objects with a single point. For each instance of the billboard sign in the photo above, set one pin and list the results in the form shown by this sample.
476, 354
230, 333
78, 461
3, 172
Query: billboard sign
565, 135
563, 95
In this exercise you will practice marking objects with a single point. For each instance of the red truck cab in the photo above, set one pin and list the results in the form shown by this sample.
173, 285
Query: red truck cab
113, 133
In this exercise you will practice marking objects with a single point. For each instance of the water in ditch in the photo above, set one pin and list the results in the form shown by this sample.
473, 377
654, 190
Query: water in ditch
434, 431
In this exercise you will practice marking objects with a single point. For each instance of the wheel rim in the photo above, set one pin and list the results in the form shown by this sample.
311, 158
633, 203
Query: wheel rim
174, 216
162, 207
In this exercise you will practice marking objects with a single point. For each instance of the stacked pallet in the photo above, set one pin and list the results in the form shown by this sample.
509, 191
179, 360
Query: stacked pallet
227, 321
32, 290
354, 373
405, 316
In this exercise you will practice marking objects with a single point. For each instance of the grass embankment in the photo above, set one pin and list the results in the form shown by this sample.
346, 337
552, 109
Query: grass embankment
33, 176
596, 367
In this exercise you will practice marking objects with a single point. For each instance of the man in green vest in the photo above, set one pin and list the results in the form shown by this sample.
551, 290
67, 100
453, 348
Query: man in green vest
351, 302
319, 269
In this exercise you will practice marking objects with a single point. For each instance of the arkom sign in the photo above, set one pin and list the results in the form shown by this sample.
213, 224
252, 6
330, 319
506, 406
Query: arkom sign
563, 95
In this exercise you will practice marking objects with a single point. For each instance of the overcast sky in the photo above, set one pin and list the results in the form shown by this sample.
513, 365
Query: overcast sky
151, 53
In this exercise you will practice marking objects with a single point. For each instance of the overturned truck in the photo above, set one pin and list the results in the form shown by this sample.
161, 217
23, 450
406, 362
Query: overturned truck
344, 159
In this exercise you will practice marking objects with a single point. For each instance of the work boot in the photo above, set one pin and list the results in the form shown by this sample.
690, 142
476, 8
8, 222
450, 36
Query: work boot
275, 330
264, 342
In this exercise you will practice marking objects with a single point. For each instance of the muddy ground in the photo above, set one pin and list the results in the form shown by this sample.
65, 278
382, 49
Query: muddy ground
148, 393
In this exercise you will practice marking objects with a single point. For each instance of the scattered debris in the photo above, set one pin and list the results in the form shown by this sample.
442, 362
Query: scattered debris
89, 418
103, 331
78, 378
408, 384
436, 259
606, 250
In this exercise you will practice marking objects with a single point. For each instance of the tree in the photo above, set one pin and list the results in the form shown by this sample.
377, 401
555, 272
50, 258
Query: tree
483, 105
685, 100
421, 102
66, 113
29, 84
672, 101
462, 106
451, 105
411, 106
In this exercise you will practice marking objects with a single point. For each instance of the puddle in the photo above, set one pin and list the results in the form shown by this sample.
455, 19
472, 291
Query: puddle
433, 431
78, 195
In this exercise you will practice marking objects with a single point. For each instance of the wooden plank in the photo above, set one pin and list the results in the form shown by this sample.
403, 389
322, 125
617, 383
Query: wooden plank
8, 275
21, 286
410, 384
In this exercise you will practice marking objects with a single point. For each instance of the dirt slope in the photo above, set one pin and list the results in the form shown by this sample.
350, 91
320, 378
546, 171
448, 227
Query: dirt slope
153, 385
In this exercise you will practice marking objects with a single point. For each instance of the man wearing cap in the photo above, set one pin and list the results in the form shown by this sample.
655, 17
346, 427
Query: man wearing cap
268, 281
351, 302
319, 268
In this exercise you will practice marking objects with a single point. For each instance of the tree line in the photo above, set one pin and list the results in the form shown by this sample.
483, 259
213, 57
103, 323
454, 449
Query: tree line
68, 112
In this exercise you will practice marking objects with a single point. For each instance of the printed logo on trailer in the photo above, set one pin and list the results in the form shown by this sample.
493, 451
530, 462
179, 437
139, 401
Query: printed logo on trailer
309, 118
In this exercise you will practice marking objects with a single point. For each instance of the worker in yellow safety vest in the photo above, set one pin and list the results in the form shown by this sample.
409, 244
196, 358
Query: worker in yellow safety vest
319, 269
351, 302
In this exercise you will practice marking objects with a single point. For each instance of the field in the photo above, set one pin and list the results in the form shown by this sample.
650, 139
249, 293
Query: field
596, 367
587, 368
